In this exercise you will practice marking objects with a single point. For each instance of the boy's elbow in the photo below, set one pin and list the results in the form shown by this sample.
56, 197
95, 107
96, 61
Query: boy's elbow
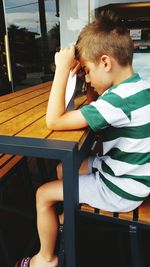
50, 124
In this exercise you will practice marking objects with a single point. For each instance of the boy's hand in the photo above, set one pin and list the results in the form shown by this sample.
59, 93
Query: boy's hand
65, 58
75, 68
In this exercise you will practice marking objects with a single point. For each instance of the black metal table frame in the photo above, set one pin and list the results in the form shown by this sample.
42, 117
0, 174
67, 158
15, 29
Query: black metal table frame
67, 152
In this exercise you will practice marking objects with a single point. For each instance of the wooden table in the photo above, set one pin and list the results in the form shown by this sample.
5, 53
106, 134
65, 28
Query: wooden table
23, 131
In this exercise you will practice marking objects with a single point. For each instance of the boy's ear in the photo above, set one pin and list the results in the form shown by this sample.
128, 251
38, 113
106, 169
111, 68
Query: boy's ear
106, 61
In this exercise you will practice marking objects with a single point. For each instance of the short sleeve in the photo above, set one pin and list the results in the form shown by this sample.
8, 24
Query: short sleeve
108, 110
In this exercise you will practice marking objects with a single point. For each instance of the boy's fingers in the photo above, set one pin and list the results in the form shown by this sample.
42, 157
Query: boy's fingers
75, 69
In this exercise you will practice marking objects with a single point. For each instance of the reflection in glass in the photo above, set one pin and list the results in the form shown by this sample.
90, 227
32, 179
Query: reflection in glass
5, 84
31, 49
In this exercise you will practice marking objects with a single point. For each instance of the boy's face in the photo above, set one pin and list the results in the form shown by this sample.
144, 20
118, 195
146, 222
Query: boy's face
96, 75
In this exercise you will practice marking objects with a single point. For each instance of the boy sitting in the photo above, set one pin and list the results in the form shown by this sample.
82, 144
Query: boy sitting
121, 181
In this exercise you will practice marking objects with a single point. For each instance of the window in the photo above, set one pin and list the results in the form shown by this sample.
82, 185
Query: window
32, 25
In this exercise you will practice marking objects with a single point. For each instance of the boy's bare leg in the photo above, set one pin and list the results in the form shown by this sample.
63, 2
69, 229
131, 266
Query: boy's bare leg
47, 223
47, 219
84, 169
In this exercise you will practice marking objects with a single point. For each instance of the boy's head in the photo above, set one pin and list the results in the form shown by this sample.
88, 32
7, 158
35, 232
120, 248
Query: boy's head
105, 50
105, 36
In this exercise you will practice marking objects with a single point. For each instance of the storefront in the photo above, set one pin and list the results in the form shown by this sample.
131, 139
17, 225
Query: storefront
32, 31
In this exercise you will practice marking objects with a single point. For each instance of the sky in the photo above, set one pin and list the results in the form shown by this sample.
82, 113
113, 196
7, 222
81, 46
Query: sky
24, 13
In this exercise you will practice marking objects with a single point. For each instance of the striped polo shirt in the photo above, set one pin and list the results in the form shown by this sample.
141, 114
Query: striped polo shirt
123, 113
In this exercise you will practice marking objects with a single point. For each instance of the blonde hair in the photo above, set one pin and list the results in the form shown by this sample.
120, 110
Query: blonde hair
106, 35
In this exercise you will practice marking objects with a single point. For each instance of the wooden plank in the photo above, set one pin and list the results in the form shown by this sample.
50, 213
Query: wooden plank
8, 167
37, 129
126, 215
78, 136
87, 208
75, 136
71, 135
23, 99
4, 158
15, 125
144, 211
106, 213
24, 91
22, 107
122, 215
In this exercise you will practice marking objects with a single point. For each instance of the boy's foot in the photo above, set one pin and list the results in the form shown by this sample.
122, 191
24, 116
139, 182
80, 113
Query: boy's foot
39, 261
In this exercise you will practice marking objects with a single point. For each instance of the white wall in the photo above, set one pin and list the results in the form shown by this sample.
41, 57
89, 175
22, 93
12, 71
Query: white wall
73, 16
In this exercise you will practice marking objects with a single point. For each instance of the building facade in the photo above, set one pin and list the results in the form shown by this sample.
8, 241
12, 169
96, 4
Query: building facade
32, 31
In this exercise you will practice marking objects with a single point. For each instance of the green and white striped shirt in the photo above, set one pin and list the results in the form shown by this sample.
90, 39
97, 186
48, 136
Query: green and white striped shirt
123, 112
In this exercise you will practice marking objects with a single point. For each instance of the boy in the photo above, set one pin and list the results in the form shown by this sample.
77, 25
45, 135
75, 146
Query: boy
104, 49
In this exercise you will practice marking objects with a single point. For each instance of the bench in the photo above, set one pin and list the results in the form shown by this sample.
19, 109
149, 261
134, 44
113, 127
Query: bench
136, 219
11, 165
14, 164
8, 163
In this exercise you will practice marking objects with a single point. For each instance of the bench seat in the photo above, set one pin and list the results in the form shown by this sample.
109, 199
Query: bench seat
15, 164
135, 220
7, 163
11, 165
140, 215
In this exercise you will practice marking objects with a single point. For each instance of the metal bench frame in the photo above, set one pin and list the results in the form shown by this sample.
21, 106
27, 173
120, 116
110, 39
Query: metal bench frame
134, 224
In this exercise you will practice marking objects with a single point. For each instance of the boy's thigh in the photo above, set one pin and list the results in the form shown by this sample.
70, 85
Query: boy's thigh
50, 192
85, 168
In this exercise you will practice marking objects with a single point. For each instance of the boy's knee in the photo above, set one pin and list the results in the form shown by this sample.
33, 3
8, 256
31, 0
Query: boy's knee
39, 195
42, 202
59, 171
41, 199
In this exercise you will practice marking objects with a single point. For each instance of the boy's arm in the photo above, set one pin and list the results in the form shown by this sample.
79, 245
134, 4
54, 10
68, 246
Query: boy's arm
57, 118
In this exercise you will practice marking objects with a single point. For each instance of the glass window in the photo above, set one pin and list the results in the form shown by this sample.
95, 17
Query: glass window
28, 24
5, 85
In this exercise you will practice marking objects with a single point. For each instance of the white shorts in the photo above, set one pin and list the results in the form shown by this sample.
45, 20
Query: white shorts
94, 192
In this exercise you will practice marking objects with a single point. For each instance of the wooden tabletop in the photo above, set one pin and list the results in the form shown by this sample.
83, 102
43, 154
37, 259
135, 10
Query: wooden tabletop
23, 114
